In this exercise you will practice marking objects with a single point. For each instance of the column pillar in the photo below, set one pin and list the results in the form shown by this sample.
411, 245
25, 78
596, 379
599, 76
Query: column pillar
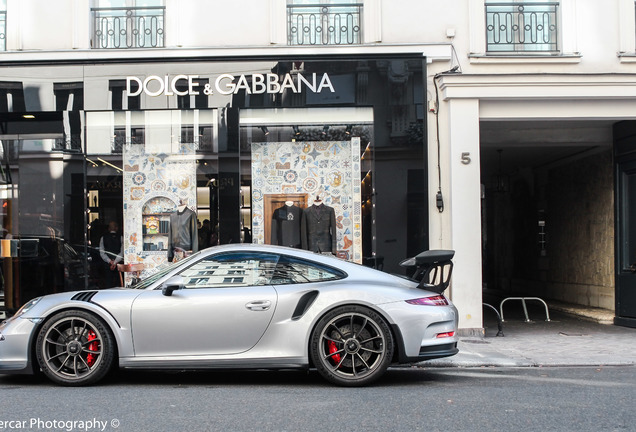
463, 204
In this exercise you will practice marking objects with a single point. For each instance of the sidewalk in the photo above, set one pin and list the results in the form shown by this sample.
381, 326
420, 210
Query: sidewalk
585, 339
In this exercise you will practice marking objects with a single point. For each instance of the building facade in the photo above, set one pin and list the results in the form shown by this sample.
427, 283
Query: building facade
501, 130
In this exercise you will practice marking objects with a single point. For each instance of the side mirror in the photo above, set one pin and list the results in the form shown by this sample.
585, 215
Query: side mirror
172, 284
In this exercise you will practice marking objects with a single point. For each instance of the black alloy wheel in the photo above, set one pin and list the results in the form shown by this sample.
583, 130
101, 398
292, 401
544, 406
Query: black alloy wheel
75, 348
352, 346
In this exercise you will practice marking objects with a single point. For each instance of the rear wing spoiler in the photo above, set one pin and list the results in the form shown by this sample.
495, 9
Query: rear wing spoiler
433, 269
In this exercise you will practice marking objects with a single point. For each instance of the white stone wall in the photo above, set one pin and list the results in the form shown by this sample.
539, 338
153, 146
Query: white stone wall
591, 33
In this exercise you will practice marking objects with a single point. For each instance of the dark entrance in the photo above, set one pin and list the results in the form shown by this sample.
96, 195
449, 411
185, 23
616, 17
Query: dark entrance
625, 159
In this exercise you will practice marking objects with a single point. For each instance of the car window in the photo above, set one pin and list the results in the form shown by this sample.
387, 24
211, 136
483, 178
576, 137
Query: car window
294, 270
231, 269
163, 270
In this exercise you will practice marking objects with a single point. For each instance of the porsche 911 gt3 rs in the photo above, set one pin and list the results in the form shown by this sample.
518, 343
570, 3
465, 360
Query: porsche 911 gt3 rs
242, 306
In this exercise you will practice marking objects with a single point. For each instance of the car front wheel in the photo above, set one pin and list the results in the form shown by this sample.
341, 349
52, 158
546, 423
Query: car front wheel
75, 348
351, 346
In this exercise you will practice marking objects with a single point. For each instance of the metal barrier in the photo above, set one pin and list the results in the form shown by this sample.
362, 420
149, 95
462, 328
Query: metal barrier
499, 320
525, 309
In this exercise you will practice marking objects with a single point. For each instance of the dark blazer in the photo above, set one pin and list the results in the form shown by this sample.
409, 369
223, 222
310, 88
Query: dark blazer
318, 228
182, 232
286, 226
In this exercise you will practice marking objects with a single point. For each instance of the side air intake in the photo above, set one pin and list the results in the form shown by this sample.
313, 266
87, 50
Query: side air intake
84, 296
304, 302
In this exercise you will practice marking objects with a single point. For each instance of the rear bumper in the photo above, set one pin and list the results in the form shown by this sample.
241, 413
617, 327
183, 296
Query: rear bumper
434, 352
428, 352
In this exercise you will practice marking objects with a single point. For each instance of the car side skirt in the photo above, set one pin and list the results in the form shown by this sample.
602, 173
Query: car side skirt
210, 363
16, 368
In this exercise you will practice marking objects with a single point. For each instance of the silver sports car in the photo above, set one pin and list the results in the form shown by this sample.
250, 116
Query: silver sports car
242, 306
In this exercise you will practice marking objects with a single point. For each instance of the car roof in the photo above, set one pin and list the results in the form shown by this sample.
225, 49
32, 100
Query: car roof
328, 260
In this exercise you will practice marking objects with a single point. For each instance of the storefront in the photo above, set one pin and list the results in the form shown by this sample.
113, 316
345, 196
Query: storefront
239, 151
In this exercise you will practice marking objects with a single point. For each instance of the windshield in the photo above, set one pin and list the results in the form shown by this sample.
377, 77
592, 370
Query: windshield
162, 271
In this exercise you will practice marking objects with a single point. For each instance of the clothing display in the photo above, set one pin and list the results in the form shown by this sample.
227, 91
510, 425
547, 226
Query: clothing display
318, 229
182, 234
286, 226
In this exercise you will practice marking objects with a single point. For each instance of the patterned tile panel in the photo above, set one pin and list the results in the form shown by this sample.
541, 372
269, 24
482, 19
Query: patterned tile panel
330, 169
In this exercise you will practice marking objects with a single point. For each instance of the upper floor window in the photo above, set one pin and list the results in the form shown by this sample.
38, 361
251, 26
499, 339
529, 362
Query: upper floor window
122, 24
522, 27
326, 22
3, 25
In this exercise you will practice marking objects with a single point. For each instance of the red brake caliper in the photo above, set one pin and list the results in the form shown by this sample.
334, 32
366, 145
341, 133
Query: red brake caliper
333, 349
93, 346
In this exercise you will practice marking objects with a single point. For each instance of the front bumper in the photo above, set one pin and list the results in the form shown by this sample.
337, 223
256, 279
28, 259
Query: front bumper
15, 340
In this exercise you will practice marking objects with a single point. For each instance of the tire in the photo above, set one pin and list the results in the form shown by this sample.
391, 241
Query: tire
75, 348
351, 346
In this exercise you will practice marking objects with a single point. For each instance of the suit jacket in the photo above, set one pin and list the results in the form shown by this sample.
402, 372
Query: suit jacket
318, 228
286, 226
182, 232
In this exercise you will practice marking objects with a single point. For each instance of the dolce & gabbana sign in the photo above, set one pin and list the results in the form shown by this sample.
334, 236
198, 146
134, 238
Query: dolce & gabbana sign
227, 84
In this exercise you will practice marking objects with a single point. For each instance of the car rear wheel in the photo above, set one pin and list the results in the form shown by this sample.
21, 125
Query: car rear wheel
351, 346
75, 348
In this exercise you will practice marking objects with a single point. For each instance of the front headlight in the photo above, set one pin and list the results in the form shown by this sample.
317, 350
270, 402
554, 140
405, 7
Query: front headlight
24, 309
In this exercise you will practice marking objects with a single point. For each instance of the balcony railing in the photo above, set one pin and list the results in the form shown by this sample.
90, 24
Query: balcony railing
3, 30
324, 24
131, 27
522, 28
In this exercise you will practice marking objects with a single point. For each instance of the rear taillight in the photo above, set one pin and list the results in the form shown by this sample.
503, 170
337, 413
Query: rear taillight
445, 335
438, 300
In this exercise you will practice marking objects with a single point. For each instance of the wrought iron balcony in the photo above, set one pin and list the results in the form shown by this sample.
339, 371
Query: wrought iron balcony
522, 28
324, 24
130, 27
3, 30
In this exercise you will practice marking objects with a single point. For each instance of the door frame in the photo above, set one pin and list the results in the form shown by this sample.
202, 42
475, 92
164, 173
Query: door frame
624, 275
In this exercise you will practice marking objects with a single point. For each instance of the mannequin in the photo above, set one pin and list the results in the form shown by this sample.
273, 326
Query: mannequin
183, 237
286, 225
318, 228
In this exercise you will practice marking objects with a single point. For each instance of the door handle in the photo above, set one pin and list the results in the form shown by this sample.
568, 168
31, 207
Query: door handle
259, 305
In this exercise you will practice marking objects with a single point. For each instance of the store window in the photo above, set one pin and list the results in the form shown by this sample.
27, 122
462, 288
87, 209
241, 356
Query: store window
158, 177
232, 141
253, 149
306, 168
41, 240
